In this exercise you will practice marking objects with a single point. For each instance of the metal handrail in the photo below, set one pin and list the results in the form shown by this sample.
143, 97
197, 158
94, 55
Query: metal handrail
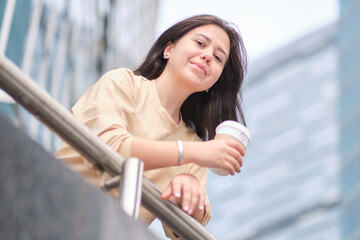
37, 101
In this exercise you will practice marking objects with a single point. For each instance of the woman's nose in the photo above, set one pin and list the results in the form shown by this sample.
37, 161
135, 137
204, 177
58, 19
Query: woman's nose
206, 56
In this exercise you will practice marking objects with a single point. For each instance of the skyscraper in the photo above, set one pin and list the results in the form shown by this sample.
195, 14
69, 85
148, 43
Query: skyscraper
349, 116
289, 187
66, 45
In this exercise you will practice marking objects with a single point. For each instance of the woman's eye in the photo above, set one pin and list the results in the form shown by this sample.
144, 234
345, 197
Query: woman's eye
201, 44
218, 58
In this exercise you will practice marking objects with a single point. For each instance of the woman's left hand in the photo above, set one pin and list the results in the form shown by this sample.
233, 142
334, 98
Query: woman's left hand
187, 193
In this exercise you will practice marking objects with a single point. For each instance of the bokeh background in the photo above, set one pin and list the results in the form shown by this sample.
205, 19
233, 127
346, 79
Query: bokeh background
301, 178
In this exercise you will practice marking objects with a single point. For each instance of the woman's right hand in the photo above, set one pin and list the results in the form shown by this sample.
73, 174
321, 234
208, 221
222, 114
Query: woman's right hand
219, 153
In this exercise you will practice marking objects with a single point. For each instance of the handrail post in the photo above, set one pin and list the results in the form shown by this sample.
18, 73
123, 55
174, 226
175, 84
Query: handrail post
131, 186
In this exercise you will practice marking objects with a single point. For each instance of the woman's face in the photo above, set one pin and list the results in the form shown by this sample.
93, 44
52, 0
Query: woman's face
197, 59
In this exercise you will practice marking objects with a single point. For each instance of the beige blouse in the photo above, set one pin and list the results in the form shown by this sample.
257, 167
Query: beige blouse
122, 105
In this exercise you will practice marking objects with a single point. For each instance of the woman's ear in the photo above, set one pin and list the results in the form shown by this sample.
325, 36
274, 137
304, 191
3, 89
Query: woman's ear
168, 49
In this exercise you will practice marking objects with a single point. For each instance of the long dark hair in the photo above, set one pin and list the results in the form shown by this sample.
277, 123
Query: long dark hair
203, 111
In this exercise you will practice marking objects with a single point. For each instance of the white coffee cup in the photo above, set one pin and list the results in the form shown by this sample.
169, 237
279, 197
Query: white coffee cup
231, 129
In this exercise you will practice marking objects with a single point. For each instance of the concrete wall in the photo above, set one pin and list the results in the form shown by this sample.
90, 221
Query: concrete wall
40, 198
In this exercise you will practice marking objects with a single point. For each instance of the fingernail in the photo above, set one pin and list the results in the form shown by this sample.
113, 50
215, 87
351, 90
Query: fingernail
190, 211
177, 195
186, 208
201, 207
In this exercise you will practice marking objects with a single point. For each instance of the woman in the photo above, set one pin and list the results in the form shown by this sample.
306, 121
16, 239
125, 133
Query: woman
189, 83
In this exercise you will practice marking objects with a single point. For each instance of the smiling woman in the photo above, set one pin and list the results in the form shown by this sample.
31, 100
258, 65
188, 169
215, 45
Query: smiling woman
189, 82
223, 98
196, 61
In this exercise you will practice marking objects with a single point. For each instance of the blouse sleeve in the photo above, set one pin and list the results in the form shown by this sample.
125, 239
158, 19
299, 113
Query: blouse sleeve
107, 108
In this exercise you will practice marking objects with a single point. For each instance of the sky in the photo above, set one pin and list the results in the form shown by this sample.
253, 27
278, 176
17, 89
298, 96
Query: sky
265, 25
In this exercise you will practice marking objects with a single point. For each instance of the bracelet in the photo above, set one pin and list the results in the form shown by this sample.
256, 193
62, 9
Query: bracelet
181, 152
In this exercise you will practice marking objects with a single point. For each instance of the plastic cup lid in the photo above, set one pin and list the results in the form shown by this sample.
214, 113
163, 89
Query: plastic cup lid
234, 125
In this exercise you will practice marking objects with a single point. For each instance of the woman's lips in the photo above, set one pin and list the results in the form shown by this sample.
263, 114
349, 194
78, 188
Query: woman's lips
199, 67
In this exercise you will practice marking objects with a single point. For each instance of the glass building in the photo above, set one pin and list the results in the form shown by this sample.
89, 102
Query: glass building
289, 186
65, 46
349, 116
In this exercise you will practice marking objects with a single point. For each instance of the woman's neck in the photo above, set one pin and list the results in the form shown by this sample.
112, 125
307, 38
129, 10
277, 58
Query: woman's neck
171, 95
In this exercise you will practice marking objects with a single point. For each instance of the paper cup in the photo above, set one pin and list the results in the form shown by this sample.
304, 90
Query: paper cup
234, 130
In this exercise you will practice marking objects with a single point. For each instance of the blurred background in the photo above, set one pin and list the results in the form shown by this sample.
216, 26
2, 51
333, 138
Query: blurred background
301, 177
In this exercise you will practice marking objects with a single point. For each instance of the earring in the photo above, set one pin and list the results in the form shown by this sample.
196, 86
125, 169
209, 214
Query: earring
207, 90
165, 56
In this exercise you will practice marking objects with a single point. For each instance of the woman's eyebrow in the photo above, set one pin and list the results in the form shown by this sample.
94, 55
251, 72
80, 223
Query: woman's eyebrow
209, 40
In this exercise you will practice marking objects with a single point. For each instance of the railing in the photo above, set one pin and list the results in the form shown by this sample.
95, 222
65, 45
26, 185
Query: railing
56, 117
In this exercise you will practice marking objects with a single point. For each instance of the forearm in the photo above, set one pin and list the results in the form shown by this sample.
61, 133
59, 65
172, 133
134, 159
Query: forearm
226, 154
159, 154
155, 154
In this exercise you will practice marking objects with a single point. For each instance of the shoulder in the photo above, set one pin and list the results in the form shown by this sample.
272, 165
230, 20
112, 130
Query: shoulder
120, 72
122, 79
121, 76
122, 84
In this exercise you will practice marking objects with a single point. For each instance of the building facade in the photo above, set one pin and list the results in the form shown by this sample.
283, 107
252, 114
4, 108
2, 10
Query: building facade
289, 186
65, 46
349, 116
